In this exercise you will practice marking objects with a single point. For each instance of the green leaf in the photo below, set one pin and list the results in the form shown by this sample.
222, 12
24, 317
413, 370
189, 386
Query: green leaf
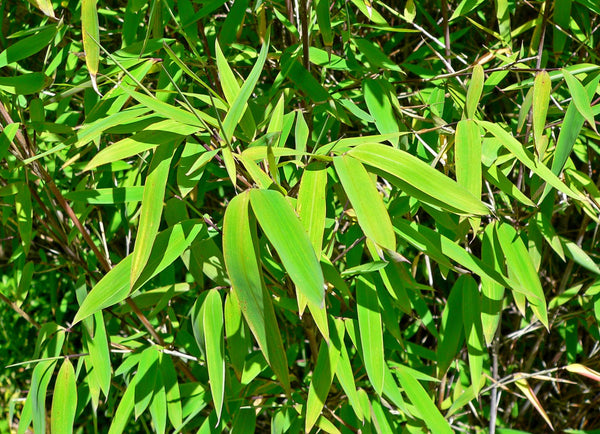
520, 269
371, 333
243, 268
424, 181
378, 102
541, 99
492, 293
28, 46
320, 384
107, 196
311, 205
90, 32
64, 400
580, 98
474, 91
237, 108
324, 22
24, 213
370, 210
471, 314
417, 395
215, 352
377, 59
114, 287
525, 157
151, 210
151, 137
451, 330
468, 156
25, 84
287, 235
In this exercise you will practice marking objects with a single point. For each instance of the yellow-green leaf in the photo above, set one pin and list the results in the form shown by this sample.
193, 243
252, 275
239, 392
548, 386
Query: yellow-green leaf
580, 98
311, 206
90, 32
541, 99
215, 352
471, 313
467, 148
474, 91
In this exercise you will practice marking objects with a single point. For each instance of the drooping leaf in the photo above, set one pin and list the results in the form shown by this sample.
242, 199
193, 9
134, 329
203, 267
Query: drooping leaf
64, 400
215, 351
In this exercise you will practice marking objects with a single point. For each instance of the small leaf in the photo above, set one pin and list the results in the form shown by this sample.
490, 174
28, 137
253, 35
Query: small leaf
524, 386
471, 313
474, 91
468, 156
577, 368
64, 400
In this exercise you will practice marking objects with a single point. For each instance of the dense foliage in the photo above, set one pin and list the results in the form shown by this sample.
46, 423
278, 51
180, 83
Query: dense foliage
294, 216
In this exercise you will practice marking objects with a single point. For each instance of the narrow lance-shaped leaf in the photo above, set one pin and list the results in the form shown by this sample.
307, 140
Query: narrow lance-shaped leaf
243, 268
380, 107
215, 351
425, 182
238, 106
474, 91
90, 31
114, 287
27, 47
467, 148
320, 384
371, 333
580, 98
311, 203
471, 313
541, 99
525, 157
520, 269
492, 292
451, 330
64, 400
371, 213
287, 235
526, 389
423, 403
151, 211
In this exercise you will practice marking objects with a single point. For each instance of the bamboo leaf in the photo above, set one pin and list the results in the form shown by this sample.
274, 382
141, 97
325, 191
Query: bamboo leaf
492, 292
114, 287
468, 156
151, 211
371, 333
215, 351
372, 216
285, 232
471, 313
451, 330
27, 47
580, 98
525, 157
238, 106
90, 32
541, 100
524, 386
474, 91
380, 107
425, 181
64, 400
311, 205
243, 268
520, 269
417, 395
